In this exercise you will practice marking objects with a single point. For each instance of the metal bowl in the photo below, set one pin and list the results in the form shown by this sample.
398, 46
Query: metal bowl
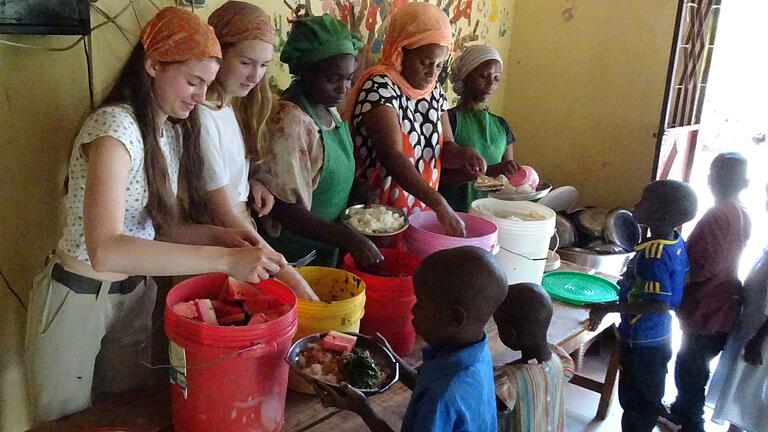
621, 229
348, 213
542, 189
384, 360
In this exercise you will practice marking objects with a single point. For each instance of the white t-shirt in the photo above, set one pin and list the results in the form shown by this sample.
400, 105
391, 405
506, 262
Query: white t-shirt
118, 122
223, 151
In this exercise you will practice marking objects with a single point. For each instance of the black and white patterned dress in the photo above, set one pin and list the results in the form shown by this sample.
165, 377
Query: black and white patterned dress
422, 138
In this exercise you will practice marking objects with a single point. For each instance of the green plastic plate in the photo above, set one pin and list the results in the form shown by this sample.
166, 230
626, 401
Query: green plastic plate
579, 288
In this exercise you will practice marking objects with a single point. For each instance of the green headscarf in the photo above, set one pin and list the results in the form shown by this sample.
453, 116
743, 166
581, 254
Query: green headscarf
317, 38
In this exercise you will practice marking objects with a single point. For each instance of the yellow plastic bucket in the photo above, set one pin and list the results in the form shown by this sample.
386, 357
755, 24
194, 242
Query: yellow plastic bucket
341, 308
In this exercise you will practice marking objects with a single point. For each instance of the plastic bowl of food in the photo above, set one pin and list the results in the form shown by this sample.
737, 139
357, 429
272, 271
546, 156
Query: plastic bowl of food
353, 367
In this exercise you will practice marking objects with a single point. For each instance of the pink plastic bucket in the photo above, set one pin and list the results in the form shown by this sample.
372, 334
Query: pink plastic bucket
228, 379
425, 235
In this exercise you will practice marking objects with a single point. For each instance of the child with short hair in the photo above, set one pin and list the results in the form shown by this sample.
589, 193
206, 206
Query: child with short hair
711, 298
649, 289
533, 387
743, 367
457, 291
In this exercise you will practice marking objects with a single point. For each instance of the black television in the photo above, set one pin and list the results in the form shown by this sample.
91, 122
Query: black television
45, 17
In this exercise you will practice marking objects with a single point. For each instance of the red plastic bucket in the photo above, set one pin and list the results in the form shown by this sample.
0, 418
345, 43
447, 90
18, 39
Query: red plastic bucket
389, 298
425, 235
227, 379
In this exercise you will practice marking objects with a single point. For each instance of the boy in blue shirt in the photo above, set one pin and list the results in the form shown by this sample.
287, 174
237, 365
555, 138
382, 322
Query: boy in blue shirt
649, 289
457, 291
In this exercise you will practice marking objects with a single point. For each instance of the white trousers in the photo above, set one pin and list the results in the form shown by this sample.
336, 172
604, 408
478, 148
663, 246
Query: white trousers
80, 346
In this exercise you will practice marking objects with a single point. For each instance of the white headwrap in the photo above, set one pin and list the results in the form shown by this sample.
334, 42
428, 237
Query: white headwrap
470, 58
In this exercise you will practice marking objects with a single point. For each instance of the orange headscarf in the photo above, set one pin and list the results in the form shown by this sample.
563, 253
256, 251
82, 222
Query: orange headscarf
413, 25
237, 21
176, 34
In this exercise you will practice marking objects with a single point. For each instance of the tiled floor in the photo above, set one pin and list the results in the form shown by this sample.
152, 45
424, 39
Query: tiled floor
581, 404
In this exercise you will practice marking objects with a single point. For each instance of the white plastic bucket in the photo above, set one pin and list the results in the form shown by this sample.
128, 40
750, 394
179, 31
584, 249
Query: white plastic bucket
523, 243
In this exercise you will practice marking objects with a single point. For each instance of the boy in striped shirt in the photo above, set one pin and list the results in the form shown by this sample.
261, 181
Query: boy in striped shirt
530, 389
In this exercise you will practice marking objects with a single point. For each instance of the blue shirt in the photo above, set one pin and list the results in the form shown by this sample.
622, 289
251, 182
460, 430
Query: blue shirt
656, 273
454, 392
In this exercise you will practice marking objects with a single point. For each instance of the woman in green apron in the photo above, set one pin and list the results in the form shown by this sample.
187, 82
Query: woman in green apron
475, 74
308, 164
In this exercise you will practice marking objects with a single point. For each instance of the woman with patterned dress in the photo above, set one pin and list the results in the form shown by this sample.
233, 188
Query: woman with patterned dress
398, 118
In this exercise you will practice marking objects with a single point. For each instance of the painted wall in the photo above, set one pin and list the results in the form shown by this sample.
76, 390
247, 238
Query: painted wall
585, 89
43, 100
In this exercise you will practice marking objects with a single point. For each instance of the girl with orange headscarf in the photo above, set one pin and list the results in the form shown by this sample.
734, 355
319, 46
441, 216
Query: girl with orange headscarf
90, 308
398, 118
237, 106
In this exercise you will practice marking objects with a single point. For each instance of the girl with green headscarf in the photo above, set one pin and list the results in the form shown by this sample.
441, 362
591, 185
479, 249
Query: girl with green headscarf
309, 164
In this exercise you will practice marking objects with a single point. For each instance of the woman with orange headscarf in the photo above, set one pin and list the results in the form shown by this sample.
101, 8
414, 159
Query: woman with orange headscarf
398, 118
90, 308
231, 120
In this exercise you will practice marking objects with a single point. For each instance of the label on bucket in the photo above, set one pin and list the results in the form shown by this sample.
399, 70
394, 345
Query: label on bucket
178, 371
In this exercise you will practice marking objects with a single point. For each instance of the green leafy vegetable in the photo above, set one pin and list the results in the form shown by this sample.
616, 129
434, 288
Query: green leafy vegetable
360, 371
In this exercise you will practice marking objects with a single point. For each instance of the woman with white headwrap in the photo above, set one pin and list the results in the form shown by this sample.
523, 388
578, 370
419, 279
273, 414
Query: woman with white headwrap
475, 74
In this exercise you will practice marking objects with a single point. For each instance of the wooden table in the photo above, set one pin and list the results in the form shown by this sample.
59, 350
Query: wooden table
149, 410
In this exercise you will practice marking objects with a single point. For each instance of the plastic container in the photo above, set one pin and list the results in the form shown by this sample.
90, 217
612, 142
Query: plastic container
579, 288
389, 299
425, 235
227, 379
524, 243
341, 308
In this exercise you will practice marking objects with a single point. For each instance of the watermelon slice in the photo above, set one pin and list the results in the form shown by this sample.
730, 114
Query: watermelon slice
260, 304
234, 290
186, 309
339, 341
205, 311
223, 309
232, 319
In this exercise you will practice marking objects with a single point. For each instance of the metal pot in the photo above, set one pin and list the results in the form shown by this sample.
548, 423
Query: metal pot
565, 231
621, 229
591, 220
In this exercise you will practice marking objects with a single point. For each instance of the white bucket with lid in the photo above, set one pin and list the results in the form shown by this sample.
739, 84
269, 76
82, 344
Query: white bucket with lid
525, 229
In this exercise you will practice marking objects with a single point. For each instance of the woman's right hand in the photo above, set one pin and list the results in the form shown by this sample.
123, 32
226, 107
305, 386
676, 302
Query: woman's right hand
253, 264
450, 221
365, 253
507, 168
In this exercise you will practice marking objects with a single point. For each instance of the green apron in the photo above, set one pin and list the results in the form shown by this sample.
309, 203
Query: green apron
483, 132
330, 197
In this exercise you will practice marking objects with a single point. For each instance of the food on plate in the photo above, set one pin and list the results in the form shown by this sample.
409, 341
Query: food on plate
485, 182
239, 303
355, 367
375, 220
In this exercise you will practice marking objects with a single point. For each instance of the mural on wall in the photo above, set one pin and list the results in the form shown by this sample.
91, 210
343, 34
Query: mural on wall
472, 21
